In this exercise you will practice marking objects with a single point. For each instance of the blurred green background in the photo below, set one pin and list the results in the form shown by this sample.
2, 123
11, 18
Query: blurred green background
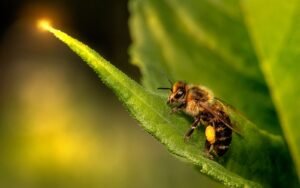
59, 126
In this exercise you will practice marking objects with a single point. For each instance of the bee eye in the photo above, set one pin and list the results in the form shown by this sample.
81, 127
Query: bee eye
179, 94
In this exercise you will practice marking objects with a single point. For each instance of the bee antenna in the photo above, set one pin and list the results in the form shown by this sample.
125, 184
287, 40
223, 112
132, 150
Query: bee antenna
165, 88
171, 82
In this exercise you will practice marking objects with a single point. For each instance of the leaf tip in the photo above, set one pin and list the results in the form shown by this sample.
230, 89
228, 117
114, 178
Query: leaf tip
44, 24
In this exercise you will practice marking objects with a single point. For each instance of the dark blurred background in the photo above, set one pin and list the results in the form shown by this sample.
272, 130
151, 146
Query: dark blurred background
59, 125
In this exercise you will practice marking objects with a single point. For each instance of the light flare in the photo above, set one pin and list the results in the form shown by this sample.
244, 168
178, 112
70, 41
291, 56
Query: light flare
44, 24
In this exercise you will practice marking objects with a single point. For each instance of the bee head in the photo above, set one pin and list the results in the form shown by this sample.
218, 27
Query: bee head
178, 94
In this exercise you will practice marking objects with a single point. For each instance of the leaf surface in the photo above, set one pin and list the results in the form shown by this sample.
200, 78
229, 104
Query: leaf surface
249, 166
276, 36
202, 42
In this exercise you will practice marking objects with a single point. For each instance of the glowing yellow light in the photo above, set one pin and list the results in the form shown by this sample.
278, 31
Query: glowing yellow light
44, 24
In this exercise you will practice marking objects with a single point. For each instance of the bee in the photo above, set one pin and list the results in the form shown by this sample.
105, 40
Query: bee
199, 102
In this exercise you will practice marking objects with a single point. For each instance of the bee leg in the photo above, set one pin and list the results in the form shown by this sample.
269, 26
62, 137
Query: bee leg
176, 109
189, 133
208, 149
214, 152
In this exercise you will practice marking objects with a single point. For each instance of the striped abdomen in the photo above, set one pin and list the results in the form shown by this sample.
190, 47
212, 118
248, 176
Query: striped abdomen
223, 138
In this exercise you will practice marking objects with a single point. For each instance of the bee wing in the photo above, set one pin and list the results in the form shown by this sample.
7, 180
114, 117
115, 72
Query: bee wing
225, 103
229, 106
232, 127
231, 109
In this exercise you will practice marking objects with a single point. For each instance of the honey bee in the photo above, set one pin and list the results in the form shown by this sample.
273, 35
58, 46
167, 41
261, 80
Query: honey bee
199, 102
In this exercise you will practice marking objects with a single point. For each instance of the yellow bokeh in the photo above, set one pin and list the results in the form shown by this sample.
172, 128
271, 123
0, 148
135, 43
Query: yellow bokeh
44, 24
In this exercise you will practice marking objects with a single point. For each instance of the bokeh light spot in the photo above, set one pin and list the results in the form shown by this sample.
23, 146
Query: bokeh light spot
44, 24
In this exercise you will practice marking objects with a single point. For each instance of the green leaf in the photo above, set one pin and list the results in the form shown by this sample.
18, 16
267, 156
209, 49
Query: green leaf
209, 42
249, 161
202, 42
276, 35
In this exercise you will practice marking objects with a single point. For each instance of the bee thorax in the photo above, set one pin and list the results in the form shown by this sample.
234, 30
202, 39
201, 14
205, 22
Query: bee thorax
193, 109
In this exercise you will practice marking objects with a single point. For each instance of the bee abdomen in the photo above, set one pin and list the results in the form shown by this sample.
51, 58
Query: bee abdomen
223, 139
221, 148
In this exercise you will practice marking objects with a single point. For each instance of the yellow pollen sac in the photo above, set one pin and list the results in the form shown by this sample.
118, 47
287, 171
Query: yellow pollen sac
210, 134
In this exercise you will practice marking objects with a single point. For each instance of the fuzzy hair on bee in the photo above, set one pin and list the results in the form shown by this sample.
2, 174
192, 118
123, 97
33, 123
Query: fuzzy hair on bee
199, 102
